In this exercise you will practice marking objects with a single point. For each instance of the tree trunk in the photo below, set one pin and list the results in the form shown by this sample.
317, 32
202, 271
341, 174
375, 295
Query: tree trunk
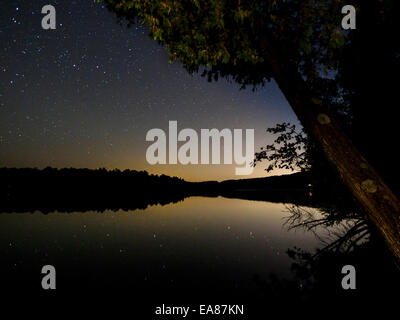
378, 201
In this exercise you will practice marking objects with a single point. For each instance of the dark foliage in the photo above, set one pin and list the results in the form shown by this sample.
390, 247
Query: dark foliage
68, 190
71, 189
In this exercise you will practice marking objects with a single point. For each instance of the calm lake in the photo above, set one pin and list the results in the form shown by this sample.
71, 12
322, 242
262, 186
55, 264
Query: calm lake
199, 243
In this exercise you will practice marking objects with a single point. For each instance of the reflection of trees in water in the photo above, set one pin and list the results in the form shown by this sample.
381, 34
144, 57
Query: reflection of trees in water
338, 232
347, 240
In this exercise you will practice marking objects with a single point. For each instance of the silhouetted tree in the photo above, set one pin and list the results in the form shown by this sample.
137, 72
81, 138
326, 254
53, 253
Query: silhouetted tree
293, 42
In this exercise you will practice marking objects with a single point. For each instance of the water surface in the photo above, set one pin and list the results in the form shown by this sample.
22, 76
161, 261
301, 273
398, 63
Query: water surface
198, 243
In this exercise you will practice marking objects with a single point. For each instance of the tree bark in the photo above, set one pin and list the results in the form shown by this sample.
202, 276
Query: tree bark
374, 196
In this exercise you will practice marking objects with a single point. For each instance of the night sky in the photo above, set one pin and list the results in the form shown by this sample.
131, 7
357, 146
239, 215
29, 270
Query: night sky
85, 94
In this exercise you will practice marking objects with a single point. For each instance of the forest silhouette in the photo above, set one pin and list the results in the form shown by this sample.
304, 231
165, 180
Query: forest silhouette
69, 189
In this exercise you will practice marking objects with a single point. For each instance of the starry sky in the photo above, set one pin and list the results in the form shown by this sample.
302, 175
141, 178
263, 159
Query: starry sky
85, 95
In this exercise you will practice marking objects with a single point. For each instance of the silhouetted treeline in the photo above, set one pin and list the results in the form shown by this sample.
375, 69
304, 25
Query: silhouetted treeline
293, 188
68, 190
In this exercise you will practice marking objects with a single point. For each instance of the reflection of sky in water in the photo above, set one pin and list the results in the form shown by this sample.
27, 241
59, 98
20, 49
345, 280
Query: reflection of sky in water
210, 237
